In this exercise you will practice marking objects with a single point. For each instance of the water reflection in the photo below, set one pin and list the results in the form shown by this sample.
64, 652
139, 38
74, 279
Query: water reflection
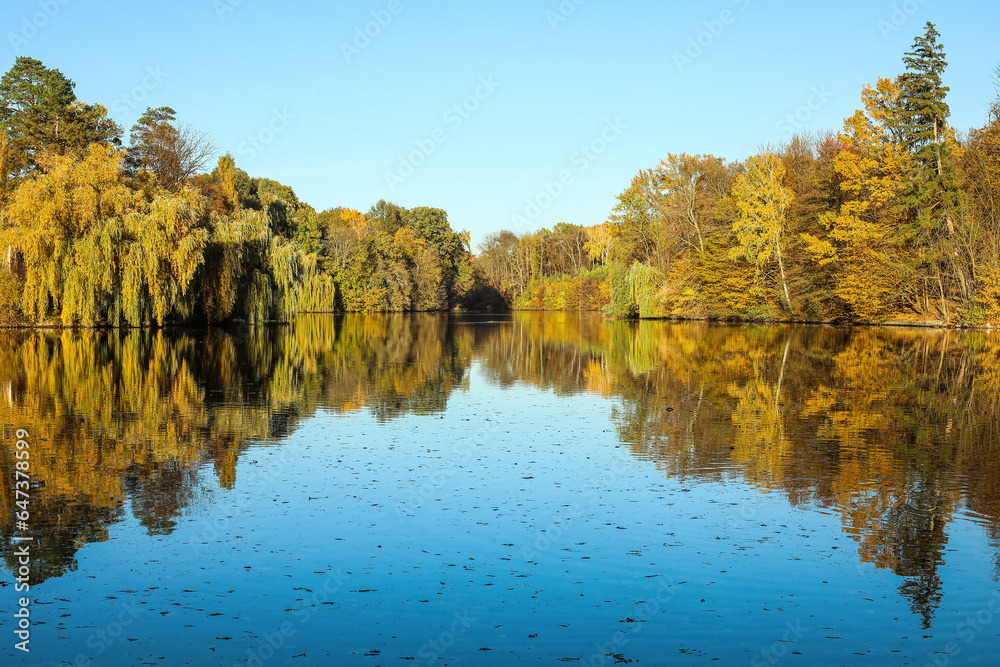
894, 430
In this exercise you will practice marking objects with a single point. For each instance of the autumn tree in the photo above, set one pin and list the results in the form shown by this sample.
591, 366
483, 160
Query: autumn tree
173, 153
226, 174
813, 181
499, 259
978, 235
685, 189
567, 243
873, 273
386, 216
451, 248
761, 202
98, 251
637, 227
601, 241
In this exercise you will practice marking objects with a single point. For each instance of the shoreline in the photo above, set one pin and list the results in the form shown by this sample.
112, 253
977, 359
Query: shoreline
240, 324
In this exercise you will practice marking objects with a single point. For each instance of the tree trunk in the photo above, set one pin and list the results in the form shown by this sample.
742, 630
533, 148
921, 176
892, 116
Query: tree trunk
781, 266
944, 299
937, 148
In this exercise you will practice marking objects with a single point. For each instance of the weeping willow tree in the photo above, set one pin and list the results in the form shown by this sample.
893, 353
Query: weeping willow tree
100, 248
49, 216
635, 292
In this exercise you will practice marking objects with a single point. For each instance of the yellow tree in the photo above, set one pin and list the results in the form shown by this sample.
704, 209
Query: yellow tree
227, 178
600, 242
872, 273
761, 204
166, 246
67, 201
233, 259
979, 235
357, 221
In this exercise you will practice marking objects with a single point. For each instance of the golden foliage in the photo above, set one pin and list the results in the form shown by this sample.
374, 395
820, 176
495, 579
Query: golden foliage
872, 276
761, 202
601, 241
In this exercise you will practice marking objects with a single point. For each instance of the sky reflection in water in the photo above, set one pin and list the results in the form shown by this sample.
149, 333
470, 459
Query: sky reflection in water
469, 490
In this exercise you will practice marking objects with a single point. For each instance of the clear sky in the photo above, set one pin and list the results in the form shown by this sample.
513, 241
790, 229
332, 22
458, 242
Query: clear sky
588, 90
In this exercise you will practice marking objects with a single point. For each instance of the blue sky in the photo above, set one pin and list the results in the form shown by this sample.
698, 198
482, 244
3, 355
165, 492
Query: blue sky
559, 104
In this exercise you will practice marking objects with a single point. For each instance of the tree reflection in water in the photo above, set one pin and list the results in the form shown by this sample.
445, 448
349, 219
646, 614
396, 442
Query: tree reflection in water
895, 430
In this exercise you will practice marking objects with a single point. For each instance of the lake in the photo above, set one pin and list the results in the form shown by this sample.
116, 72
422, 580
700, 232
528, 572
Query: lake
501, 489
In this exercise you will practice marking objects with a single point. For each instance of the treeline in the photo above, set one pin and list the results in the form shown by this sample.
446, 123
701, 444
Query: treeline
894, 218
99, 233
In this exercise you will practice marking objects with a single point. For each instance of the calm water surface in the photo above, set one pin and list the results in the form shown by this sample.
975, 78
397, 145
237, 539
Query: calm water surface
495, 490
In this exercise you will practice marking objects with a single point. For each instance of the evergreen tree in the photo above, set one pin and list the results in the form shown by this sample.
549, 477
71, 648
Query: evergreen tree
924, 109
40, 113
930, 141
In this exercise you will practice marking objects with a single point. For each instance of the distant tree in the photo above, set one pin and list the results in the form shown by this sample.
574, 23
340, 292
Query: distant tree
601, 242
684, 189
636, 224
173, 153
386, 216
499, 261
451, 248
340, 242
226, 171
568, 243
